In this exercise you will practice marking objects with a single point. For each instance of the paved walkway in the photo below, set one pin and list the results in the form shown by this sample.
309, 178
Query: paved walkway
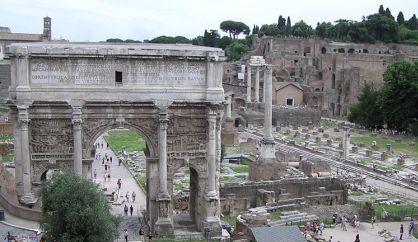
18, 227
128, 185
367, 233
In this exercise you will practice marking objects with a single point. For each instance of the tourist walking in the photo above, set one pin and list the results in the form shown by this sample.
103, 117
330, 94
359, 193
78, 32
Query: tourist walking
357, 238
104, 177
373, 221
125, 209
133, 196
119, 183
131, 209
120, 161
343, 223
95, 174
357, 224
126, 235
321, 228
401, 232
411, 227
127, 196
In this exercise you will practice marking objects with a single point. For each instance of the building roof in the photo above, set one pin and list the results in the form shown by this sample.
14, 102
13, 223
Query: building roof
281, 85
277, 234
20, 37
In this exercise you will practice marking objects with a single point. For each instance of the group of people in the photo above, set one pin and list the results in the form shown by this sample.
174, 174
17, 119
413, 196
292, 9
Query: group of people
411, 228
314, 227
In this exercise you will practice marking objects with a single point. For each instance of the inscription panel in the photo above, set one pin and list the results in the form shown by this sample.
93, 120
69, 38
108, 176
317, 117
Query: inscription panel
102, 72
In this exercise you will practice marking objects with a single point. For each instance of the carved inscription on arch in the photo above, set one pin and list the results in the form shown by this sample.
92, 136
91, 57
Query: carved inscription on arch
102, 72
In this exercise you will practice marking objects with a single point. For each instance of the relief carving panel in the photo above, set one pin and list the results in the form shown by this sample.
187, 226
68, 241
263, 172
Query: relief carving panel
51, 136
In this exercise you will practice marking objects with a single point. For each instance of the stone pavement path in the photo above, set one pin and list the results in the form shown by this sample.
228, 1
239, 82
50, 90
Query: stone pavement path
367, 233
128, 185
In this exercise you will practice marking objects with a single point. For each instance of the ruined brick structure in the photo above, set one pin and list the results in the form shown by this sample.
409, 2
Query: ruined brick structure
326, 190
332, 74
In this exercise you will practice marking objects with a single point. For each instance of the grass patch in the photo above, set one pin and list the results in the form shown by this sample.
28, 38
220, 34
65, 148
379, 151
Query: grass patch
4, 109
5, 138
381, 141
232, 149
245, 162
365, 161
241, 169
8, 158
229, 219
400, 210
142, 181
130, 140
275, 215
356, 193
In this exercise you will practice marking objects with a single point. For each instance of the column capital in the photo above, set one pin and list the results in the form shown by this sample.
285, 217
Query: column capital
77, 119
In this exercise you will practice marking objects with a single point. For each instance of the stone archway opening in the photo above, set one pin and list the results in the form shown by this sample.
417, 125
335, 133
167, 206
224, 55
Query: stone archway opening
185, 198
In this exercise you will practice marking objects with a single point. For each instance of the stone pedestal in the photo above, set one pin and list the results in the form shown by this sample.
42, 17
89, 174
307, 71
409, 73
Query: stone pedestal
229, 133
164, 224
383, 156
211, 226
389, 148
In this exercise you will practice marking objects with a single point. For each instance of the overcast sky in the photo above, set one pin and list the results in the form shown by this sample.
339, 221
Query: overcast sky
97, 20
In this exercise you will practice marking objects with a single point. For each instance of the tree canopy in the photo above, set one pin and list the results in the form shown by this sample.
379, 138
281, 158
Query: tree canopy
75, 210
234, 28
395, 104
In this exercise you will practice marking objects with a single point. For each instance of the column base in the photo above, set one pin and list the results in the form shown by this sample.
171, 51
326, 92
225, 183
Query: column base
28, 200
267, 151
211, 227
164, 224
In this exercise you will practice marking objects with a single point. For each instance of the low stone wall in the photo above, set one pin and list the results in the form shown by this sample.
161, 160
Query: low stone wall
8, 192
245, 195
19, 211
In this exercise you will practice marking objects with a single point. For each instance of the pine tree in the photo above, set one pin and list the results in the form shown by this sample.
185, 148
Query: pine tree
389, 14
381, 10
400, 19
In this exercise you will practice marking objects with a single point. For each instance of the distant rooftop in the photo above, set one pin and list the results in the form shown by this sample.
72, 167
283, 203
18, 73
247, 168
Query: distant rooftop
103, 48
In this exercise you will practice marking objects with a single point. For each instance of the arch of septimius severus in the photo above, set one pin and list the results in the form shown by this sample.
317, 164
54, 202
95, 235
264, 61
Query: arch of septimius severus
64, 96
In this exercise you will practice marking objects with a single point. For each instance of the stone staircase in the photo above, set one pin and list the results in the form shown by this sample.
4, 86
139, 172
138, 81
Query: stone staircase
293, 217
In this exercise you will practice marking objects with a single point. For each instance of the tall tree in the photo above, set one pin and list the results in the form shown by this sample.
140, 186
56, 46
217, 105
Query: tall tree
381, 10
281, 25
288, 30
413, 23
74, 209
399, 96
382, 28
234, 28
210, 38
366, 111
400, 19
302, 29
389, 14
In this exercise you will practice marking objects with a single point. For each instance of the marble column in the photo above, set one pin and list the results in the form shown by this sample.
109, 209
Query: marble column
211, 150
24, 150
229, 107
268, 104
346, 141
18, 158
78, 145
267, 143
162, 154
249, 84
257, 84
164, 224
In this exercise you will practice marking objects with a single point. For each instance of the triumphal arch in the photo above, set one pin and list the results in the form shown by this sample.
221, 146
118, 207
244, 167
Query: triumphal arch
63, 96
